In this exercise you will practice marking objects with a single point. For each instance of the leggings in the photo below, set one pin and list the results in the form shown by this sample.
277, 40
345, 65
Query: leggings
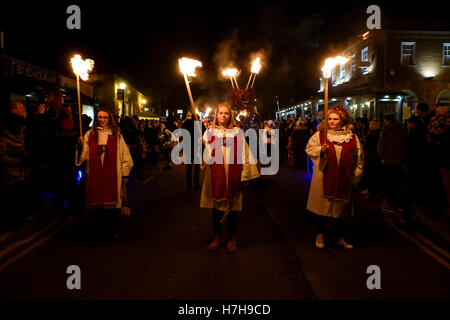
231, 218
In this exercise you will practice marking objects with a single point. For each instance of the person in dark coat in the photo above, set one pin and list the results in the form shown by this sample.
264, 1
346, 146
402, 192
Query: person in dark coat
191, 125
392, 146
299, 140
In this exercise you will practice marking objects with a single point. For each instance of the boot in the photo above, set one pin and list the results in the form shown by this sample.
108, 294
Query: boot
319, 241
215, 244
231, 245
344, 244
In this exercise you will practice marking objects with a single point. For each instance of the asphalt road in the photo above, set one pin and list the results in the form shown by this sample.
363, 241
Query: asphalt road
162, 254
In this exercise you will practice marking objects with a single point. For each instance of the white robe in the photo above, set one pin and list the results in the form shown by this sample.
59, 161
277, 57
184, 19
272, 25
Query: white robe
249, 171
317, 203
124, 160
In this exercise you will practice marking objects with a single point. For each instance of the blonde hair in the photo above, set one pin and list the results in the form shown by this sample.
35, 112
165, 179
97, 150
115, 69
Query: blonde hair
231, 122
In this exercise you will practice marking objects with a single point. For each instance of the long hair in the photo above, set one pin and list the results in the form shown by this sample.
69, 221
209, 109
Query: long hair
231, 122
346, 120
111, 123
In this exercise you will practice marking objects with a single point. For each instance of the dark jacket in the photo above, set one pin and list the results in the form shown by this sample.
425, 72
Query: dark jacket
392, 145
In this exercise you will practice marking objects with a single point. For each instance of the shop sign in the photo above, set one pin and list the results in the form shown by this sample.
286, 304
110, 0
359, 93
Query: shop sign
28, 70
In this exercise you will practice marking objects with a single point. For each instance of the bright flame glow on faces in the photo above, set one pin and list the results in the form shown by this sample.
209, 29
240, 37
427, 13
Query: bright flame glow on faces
256, 66
82, 67
187, 66
230, 72
330, 63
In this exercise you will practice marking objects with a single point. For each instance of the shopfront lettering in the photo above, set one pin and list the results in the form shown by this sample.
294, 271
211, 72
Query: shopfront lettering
33, 72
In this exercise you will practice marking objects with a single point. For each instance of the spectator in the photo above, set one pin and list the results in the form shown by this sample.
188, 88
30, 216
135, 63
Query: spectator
190, 125
299, 140
14, 163
392, 146
372, 172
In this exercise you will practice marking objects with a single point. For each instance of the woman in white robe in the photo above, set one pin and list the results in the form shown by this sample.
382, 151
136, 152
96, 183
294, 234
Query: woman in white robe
222, 184
334, 202
108, 164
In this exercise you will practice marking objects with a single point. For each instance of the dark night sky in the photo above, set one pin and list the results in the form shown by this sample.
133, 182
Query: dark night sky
142, 40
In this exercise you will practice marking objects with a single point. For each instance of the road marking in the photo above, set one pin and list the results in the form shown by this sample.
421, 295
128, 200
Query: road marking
417, 243
35, 245
31, 238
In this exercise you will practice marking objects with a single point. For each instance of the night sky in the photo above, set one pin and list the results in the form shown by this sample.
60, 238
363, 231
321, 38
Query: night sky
141, 41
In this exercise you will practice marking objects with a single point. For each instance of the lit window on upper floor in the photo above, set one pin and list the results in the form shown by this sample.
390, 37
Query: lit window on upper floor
365, 54
408, 53
342, 72
446, 54
352, 65
333, 75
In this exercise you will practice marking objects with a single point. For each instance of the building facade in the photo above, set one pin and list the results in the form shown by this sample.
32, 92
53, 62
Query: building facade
388, 71
118, 95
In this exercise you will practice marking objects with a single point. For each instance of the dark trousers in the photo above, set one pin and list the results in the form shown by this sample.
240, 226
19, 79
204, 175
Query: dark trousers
342, 225
103, 223
231, 218
392, 178
196, 174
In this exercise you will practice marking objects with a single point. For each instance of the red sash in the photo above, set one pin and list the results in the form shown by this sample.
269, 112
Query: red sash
218, 175
337, 178
102, 180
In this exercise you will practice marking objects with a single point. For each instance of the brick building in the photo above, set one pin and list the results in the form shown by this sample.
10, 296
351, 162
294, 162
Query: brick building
388, 71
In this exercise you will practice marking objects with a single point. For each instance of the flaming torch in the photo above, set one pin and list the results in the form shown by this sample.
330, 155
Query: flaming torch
187, 68
232, 74
256, 66
330, 63
81, 68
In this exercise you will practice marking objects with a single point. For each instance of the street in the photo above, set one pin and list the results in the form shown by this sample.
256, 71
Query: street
162, 253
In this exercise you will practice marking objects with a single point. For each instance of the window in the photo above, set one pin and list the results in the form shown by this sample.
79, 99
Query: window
333, 75
446, 54
342, 72
352, 66
365, 54
408, 52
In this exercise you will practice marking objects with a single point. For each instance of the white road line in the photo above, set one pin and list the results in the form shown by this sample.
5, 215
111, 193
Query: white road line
418, 243
31, 238
35, 245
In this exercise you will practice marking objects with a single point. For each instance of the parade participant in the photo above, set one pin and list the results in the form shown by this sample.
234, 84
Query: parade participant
331, 189
222, 182
108, 165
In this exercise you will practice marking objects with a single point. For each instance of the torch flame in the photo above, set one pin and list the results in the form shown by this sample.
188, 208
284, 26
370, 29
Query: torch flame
198, 112
187, 66
256, 66
330, 63
230, 72
82, 67
208, 110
